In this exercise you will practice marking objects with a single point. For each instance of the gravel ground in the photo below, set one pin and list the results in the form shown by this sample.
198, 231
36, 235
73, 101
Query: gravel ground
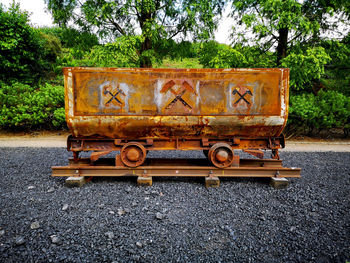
175, 220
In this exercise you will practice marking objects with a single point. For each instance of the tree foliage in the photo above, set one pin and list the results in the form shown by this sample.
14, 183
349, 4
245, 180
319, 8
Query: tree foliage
282, 23
215, 55
25, 53
306, 67
337, 74
156, 19
72, 38
287, 34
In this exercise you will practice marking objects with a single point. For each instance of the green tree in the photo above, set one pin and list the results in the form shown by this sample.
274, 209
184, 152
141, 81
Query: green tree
72, 38
157, 19
25, 53
283, 23
337, 75
215, 55
307, 67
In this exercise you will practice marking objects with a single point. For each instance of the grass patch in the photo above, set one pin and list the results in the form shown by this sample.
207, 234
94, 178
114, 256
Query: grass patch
179, 63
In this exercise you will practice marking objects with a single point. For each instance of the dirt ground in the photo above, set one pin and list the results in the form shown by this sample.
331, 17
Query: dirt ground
58, 139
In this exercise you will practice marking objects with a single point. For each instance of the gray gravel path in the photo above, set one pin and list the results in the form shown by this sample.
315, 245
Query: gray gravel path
175, 220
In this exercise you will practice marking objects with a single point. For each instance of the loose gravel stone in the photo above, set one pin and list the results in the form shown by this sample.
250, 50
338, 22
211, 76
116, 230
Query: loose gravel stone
159, 216
19, 240
65, 207
244, 220
51, 189
35, 225
110, 235
139, 244
55, 239
121, 211
31, 187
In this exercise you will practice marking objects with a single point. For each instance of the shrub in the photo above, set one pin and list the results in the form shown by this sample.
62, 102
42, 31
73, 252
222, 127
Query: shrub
306, 67
215, 55
28, 107
72, 38
59, 118
303, 113
337, 74
227, 57
168, 48
121, 53
335, 108
207, 51
329, 109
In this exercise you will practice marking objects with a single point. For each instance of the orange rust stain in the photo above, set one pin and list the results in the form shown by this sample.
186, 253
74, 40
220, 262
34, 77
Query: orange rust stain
164, 103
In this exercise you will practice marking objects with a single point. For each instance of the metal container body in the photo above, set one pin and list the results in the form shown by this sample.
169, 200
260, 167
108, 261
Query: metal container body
176, 103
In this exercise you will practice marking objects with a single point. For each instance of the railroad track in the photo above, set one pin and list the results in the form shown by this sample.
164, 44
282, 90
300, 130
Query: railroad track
82, 169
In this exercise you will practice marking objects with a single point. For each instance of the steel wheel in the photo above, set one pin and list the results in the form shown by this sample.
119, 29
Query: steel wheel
221, 155
133, 154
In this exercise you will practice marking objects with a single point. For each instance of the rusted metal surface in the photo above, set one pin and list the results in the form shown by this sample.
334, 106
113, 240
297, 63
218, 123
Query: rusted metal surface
219, 151
133, 154
214, 110
256, 153
221, 155
176, 103
104, 144
181, 162
177, 167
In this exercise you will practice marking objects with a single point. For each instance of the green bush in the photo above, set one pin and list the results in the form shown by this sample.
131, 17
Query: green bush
303, 113
329, 109
337, 73
121, 53
306, 67
25, 53
59, 118
52, 46
215, 55
207, 51
168, 48
24, 107
72, 38
227, 57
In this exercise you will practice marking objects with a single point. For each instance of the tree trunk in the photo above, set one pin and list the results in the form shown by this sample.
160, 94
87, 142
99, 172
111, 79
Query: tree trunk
145, 61
282, 45
145, 18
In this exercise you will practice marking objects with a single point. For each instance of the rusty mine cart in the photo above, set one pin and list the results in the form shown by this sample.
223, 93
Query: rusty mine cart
216, 111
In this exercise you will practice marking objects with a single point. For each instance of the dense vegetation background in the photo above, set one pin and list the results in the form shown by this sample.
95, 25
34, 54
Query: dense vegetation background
268, 33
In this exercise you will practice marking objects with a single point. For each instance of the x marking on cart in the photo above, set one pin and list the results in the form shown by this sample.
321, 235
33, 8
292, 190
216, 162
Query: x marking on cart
242, 96
178, 93
114, 96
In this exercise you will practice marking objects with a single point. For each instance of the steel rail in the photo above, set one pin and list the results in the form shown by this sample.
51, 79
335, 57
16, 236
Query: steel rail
177, 167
